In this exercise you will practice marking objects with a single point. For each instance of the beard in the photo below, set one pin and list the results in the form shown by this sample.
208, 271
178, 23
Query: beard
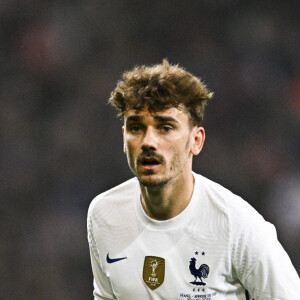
157, 179
152, 182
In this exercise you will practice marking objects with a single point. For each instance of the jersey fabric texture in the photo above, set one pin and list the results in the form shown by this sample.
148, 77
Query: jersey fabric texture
216, 248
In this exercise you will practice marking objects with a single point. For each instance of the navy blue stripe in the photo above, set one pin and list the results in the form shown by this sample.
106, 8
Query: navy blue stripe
247, 295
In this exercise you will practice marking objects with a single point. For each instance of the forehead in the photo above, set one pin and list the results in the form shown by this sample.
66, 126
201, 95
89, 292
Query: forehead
179, 114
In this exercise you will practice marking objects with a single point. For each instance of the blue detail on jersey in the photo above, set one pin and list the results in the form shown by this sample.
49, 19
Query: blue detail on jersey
247, 295
201, 272
113, 260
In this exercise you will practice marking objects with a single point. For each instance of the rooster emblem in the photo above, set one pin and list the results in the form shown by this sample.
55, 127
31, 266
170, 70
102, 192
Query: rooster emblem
200, 273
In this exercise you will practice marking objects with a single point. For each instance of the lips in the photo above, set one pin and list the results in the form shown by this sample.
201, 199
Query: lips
150, 161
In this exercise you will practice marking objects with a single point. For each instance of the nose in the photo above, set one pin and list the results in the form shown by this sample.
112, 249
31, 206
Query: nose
149, 141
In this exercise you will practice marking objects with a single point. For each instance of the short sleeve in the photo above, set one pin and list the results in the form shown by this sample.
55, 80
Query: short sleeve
260, 262
102, 285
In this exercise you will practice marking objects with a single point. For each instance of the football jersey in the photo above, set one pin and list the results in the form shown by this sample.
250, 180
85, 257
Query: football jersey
217, 248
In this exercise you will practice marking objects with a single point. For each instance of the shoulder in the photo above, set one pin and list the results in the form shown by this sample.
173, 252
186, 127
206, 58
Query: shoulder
242, 221
230, 204
114, 198
250, 236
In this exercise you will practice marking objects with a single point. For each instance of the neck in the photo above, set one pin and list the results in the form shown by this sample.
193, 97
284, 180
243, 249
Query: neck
170, 200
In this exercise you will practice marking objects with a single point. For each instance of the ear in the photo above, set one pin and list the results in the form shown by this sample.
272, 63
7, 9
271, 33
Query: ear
124, 140
198, 136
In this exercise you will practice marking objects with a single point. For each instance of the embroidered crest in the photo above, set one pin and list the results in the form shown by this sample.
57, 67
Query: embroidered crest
154, 271
201, 272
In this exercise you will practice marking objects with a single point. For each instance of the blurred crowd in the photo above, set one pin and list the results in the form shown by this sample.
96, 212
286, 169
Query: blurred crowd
61, 144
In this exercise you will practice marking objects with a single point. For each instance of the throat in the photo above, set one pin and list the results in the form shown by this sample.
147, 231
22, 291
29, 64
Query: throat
157, 211
167, 202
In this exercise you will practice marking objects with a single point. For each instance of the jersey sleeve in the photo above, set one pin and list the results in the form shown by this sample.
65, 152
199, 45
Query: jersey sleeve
260, 262
102, 285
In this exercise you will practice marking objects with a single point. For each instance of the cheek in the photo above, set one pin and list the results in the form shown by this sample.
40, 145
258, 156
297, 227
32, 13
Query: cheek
181, 145
132, 150
175, 151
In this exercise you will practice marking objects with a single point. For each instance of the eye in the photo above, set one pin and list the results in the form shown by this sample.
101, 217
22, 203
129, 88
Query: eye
135, 128
166, 128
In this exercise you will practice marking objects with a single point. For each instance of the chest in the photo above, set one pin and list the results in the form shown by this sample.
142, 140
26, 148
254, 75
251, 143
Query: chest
186, 263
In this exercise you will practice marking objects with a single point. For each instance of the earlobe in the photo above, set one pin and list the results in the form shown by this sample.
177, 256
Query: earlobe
199, 138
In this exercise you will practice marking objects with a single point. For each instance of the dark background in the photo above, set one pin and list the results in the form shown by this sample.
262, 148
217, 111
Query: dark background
61, 144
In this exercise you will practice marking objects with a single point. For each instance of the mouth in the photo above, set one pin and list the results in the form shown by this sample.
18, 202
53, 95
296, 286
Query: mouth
150, 163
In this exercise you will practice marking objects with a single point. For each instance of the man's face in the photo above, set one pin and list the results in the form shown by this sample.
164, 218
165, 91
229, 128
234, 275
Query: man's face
159, 145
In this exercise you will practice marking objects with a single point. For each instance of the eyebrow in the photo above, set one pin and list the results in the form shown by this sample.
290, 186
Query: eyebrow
165, 119
157, 118
135, 119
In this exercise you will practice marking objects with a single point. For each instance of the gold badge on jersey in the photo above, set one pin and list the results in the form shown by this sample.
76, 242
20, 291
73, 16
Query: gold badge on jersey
154, 271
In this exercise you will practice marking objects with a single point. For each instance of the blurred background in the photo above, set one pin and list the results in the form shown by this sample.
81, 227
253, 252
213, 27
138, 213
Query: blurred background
61, 144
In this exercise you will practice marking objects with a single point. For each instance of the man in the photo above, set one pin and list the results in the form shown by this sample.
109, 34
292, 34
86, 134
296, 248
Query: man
169, 233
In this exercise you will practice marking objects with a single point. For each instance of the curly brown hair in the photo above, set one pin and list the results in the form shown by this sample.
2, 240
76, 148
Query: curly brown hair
159, 87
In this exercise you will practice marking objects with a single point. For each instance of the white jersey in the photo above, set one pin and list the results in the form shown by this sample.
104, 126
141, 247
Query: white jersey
217, 248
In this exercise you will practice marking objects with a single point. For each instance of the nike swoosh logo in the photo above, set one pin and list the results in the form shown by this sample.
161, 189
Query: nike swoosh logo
113, 260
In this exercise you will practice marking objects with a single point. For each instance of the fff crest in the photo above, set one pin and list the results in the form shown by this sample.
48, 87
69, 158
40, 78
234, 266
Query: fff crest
154, 271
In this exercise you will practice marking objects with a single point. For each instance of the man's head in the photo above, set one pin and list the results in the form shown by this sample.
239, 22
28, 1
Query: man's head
159, 87
163, 108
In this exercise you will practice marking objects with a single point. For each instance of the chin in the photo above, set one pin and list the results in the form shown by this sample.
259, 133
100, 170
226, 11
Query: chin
152, 181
